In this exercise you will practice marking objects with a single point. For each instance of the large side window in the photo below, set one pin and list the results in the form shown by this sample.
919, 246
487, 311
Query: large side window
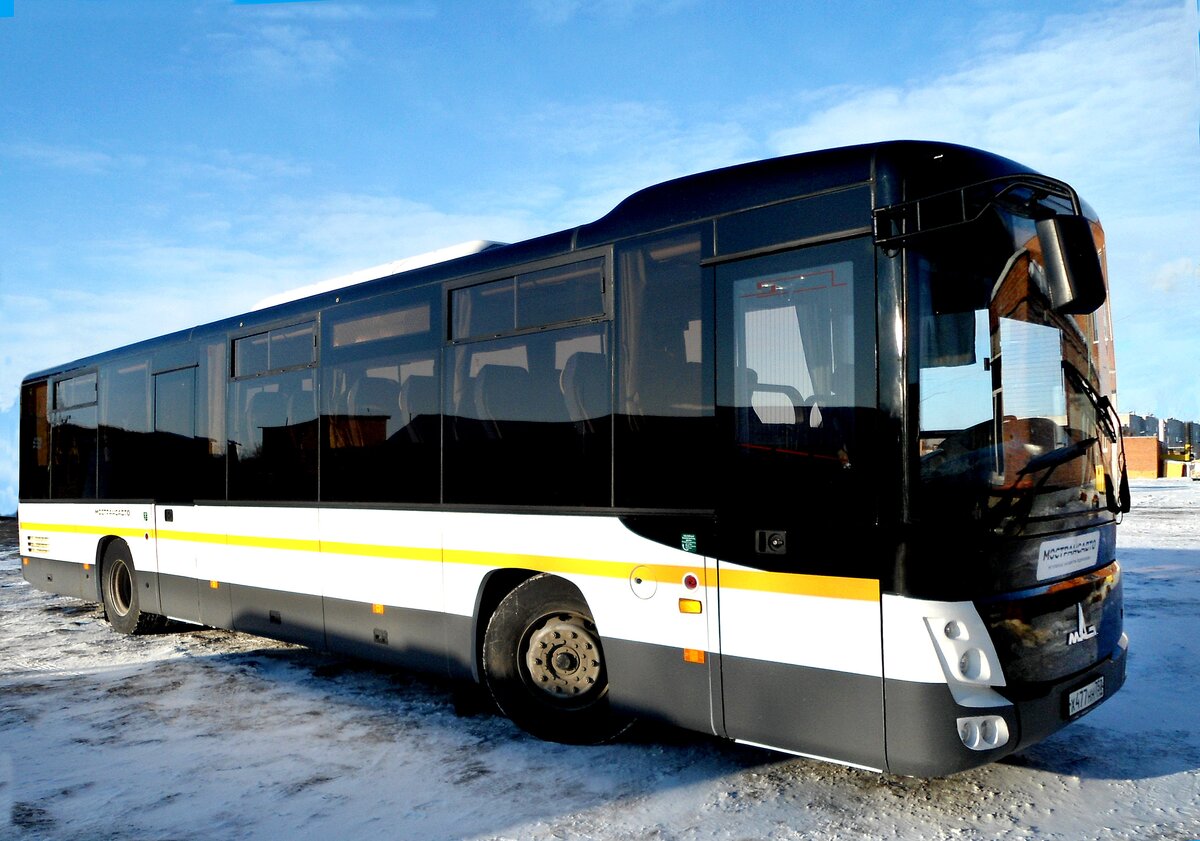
273, 415
177, 453
797, 390
35, 441
381, 440
664, 431
124, 430
73, 438
529, 414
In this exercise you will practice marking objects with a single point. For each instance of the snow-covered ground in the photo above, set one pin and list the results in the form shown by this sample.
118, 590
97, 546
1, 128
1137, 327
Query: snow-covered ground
216, 735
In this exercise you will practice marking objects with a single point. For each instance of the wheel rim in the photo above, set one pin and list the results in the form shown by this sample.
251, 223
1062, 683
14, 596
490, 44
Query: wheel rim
563, 660
120, 588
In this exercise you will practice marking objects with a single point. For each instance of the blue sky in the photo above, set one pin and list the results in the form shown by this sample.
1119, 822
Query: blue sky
169, 162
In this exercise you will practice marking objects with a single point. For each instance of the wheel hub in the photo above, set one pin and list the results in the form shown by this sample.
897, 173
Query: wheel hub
563, 658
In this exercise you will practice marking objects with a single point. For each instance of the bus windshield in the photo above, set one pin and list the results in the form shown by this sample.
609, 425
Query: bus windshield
1012, 425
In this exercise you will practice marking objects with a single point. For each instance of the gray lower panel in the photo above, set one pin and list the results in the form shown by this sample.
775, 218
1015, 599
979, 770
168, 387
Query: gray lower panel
62, 577
294, 617
216, 604
811, 711
922, 720
654, 681
403, 636
922, 735
178, 597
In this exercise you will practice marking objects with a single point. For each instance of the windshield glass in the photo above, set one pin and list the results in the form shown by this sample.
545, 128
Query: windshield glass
1011, 424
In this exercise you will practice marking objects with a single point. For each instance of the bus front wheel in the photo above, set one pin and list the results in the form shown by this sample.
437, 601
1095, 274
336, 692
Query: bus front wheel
544, 665
118, 589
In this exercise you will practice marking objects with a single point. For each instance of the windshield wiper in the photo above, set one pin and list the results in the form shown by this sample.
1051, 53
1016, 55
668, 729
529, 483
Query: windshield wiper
1056, 457
1019, 507
1100, 402
1118, 503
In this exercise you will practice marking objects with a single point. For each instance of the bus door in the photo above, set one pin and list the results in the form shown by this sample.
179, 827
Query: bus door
801, 663
174, 513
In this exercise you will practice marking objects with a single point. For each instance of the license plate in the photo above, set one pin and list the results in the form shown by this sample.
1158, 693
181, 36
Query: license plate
1085, 696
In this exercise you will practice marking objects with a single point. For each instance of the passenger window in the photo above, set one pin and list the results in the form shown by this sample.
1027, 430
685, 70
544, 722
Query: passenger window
542, 298
665, 431
381, 439
797, 395
125, 425
529, 420
178, 453
73, 439
275, 350
35, 442
273, 438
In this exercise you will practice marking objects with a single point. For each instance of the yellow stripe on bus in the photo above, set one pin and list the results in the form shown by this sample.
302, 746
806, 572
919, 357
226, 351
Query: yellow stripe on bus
72, 529
858, 589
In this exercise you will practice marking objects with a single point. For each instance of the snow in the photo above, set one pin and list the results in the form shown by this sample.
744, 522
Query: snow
218, 735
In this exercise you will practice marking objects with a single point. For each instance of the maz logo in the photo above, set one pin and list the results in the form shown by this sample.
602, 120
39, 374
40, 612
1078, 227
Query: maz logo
1082, 631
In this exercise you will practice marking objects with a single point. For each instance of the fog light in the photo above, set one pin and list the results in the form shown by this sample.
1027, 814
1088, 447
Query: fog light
969, 665
983, 732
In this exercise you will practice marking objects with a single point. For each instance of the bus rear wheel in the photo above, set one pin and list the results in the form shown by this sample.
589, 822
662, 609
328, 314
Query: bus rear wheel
544, 665
118, 589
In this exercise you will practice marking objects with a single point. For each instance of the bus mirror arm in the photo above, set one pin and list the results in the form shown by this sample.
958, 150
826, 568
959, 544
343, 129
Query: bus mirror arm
1073, 272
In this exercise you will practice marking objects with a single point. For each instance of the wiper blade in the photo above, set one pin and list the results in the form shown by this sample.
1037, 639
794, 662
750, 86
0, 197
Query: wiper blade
1056, 457
1100, 403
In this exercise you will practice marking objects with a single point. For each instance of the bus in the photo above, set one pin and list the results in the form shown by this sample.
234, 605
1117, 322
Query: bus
816, 453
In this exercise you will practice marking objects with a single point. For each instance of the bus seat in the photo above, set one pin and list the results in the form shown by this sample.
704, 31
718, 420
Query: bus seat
503, 394
585, 384
419, 407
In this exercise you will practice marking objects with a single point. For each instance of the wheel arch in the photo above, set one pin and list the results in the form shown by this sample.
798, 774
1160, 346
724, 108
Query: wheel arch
102, 546
495, 586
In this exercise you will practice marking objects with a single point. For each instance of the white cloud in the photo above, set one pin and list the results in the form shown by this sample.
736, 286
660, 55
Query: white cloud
1105, 97
69, 158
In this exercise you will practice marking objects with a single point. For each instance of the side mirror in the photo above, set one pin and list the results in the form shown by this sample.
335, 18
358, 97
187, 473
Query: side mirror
1074, 277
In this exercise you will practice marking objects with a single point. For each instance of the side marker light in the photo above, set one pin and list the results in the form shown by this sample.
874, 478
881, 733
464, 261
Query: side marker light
693, 655
377, 609
690, 606
214, 585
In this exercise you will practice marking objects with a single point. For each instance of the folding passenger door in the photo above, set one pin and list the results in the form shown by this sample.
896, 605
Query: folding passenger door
798, 593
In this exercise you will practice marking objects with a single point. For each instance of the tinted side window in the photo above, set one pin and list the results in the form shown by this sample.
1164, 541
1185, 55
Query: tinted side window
125, 430
35, 441
73, 438
178, 453
528, 420
797, 398
272, 423
542, 298
664, 429
381, 439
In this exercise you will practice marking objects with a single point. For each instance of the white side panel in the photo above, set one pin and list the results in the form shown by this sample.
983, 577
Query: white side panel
273, 548
818, 631
72, 531
177, 556
926, 641
382, 557
599, 555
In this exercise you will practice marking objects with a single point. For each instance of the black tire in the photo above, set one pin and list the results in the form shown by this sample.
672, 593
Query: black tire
119, 591
544, 665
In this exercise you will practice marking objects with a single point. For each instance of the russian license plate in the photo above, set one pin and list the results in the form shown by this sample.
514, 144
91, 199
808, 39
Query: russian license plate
1085, 696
